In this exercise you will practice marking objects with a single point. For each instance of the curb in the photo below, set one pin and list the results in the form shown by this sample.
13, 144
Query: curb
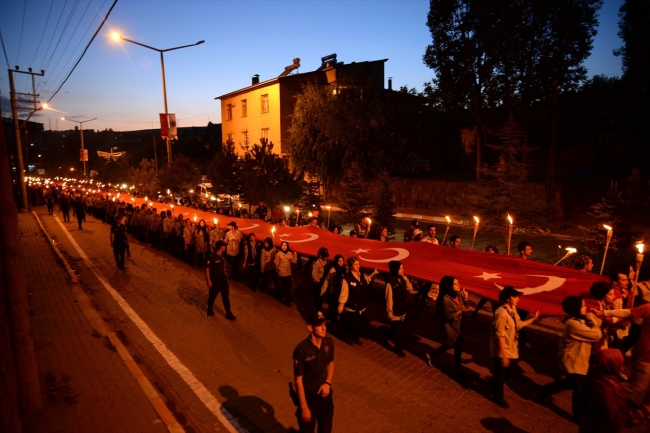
100, 326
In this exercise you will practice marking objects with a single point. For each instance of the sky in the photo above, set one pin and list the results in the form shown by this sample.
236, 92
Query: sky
120, 83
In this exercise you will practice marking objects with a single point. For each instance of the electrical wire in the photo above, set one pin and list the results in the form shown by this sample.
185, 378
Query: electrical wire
43, 33
22, 26
62, 70
86, 49
65, 28
53, 33
4, 49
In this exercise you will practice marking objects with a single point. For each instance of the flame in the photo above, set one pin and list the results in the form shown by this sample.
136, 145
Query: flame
171, 205
510, 219
132, 199
145, 198
328, 207
571, 250
640, 248
168, 192
151, 203
239, 205
216, 222
195, 217
369, 221
286, 208
476, 219
607, 227
273, 229
448, 220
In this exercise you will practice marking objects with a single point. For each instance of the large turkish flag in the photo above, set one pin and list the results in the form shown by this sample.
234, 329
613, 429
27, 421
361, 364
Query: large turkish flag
544, 286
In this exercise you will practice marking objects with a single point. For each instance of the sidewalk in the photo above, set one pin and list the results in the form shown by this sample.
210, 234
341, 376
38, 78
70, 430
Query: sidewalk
239, 370
86, 386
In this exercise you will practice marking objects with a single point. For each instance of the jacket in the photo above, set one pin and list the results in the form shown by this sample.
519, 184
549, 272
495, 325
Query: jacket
575, 346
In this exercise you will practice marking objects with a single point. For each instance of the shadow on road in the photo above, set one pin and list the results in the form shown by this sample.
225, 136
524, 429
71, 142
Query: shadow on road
251, 413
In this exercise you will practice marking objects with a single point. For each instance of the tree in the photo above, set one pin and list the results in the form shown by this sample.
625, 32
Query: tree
145, 177
265, 177
615, 211
505, 53
384, 204
634, 30
354, 199
504, 189
224, 170
181, 173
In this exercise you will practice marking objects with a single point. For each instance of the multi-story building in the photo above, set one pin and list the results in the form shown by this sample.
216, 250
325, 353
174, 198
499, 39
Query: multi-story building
264, 109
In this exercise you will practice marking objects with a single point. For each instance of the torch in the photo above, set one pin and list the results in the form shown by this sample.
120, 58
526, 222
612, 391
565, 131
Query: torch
509, 232
475, 230
446, 231
195, 218
172, 206
367, 229
145, 198
216, 223
609, 238
329, 213
273, 232
569, 251
286, 212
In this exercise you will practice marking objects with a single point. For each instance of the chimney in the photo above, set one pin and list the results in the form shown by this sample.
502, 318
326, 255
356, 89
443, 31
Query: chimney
390, 83
256, 79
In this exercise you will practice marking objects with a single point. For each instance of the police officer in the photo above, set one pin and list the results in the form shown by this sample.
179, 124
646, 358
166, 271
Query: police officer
313, 370
216, 280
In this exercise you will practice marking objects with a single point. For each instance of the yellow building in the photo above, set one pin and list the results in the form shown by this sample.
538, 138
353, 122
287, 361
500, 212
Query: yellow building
264, 109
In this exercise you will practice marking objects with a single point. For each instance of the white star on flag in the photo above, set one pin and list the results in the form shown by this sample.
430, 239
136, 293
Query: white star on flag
487, 276
359, 251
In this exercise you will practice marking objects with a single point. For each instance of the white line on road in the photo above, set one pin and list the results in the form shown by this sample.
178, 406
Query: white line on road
195, 385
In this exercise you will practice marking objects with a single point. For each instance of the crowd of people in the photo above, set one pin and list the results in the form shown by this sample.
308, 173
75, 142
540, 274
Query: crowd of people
598, 330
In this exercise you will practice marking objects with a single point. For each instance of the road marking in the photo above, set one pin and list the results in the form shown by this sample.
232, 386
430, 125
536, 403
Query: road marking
188, 377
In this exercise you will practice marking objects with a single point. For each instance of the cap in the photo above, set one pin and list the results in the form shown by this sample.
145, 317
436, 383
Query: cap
508, 292
415, 223
316, 319
219, 244
232, 224
322, 252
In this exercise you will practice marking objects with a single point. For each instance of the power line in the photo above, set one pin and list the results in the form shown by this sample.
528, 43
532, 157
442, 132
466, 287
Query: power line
86, 49
52, 37
4, 49
47, 20
22, 26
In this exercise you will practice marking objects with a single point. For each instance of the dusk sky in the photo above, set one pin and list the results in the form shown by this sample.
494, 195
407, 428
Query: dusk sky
120, 83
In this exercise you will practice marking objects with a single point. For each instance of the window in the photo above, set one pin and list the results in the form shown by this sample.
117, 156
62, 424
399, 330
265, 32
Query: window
229, 138
229, 112
244, 108
265, 133
244, 139
265, 103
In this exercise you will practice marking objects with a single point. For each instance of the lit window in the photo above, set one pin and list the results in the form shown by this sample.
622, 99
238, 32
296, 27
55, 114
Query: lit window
244, 108
229, 112
265, 103
244, 139
265, 133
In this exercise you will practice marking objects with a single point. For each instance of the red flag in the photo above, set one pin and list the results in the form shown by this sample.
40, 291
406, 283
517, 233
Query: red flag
83, 155
164, 125
484, 274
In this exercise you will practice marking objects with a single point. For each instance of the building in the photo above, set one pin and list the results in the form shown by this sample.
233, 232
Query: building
264, 109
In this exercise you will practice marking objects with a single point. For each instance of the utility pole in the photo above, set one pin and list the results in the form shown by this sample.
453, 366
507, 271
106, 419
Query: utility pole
14, 111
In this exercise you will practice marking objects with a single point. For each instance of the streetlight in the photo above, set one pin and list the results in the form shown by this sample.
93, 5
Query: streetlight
81, 131
118, 37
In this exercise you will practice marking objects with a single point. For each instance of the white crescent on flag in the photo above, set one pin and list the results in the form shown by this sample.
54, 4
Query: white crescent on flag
401, 255
551, 284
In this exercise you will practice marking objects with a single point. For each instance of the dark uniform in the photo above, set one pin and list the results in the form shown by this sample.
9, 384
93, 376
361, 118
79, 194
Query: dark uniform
355, 305
310, 362
216, 265
119, 243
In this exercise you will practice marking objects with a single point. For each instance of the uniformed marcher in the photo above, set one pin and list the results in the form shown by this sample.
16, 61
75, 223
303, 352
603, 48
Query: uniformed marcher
119, 241
216, 280
313, 370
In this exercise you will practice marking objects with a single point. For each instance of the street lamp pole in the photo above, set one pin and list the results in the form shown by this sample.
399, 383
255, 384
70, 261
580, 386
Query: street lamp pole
117, 37
81, 131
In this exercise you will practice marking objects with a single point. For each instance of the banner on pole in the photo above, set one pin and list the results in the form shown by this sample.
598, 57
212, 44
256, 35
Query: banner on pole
83, 155
168, 126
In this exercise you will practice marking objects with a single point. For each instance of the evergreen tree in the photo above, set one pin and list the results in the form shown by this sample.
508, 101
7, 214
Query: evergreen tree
311, 192
504, 189
354, 195
615, 211
224, 170
265, 177
384, 204
183, 172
